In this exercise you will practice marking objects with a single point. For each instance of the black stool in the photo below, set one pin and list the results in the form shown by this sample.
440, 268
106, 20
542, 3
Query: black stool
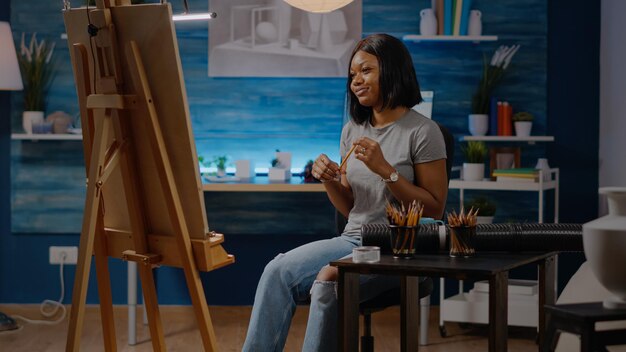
581, 319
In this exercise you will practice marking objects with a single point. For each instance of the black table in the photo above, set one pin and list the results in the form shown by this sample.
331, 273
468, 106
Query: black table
494, 267
581, 319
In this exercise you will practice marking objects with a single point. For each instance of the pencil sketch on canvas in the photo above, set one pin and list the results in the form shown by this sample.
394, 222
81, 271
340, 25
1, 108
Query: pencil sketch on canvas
269, 38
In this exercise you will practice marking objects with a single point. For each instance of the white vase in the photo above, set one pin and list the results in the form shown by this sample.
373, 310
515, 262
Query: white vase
29, 118
428, 22
604, 241
473, 172
478, 124
475, 24
522, 128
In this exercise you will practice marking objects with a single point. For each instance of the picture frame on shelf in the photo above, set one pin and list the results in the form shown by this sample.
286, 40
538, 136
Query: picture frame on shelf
503, 158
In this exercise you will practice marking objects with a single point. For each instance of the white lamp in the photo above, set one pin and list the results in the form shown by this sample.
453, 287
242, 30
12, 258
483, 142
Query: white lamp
319, 6
10, 77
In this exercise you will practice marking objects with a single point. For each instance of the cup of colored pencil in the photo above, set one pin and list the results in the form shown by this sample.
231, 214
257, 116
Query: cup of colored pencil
403, 223
462, 233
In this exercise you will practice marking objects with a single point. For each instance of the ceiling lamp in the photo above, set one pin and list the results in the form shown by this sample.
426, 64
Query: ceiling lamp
319, 6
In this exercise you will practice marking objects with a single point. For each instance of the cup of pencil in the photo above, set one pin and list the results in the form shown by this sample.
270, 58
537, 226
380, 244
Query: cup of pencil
462, 233
403, 224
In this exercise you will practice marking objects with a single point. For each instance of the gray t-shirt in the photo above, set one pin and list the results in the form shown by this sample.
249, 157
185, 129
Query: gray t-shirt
412, 139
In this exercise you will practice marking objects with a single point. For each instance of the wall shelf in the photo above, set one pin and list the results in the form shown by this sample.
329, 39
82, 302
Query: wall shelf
502, 185
449, 38
47, 137
539, 186
529, 139
262, 184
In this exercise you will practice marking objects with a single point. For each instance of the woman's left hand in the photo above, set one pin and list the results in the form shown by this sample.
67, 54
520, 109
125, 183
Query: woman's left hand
369, 152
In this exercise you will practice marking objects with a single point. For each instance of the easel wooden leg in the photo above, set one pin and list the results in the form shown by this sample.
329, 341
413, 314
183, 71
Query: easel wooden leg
104, 289
133, 202
152, 306
172, 202
88, 234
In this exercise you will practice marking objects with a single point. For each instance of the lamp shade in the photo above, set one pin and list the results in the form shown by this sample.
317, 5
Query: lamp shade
318, 6
10, 78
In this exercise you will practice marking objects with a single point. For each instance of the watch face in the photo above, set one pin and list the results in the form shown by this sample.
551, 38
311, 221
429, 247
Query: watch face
394, 176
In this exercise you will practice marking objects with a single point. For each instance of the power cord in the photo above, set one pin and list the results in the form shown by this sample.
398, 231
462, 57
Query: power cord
48, 307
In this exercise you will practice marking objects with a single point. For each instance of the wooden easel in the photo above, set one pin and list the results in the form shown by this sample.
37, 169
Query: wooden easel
144, 198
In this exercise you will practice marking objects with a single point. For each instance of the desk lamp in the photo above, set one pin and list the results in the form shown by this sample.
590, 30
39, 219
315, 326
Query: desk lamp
10, 79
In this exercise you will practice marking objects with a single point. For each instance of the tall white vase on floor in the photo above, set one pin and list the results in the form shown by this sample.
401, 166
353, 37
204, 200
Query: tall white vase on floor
604, 240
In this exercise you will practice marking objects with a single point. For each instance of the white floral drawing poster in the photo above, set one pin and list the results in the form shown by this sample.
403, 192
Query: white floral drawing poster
269, 38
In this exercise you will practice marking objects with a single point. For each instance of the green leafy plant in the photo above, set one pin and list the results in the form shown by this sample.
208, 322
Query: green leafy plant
275, 161
474, 152
485, 206
493, 72
221, 161
523, 116
37, 66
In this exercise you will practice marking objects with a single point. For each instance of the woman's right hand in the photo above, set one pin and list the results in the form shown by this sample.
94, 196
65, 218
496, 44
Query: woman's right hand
325, 169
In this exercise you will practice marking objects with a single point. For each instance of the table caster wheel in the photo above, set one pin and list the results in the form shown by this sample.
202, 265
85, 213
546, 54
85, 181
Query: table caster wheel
442, 331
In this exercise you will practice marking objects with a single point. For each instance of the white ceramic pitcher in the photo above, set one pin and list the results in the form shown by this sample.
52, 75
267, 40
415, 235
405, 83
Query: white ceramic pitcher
428, 22
475, 24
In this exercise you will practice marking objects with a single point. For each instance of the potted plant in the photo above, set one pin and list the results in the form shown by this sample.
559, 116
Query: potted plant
474, 165
281, 167
486, 209
220, 163
492, 75
523, 122
37, 66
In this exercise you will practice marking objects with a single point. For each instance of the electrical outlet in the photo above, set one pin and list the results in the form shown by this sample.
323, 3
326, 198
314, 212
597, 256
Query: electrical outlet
57, 252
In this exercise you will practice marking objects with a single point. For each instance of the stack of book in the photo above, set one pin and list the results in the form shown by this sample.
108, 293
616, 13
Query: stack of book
516, 175
452, 16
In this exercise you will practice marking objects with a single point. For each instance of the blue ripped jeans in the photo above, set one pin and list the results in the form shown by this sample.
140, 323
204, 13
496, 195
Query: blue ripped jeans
289, 278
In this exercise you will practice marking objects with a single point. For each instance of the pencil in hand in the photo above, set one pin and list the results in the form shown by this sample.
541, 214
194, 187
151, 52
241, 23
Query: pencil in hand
343, 162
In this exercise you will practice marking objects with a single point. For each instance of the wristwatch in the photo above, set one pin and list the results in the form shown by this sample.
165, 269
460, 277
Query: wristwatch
393, 177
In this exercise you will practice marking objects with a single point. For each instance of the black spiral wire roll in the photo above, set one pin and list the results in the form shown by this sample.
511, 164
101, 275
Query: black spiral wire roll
511, 237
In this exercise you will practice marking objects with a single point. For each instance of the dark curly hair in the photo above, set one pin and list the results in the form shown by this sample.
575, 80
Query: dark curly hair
398, 82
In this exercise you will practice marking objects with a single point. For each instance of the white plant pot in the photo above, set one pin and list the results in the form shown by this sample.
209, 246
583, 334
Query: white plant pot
284, 160
604, 241
29, 118
278, 174
522, 128
244, 169
473, 172
478, 124
484, 219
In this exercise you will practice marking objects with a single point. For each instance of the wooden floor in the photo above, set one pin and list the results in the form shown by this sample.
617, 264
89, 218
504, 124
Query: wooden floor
230, 325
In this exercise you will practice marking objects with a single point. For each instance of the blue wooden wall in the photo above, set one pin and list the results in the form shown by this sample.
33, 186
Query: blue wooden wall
47, 177
249, 118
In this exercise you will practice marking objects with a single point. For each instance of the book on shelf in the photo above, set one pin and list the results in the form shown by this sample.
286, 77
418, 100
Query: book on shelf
447, 16
465, 9
440, 14
493, 117
458, 7
516, 171
515, 179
